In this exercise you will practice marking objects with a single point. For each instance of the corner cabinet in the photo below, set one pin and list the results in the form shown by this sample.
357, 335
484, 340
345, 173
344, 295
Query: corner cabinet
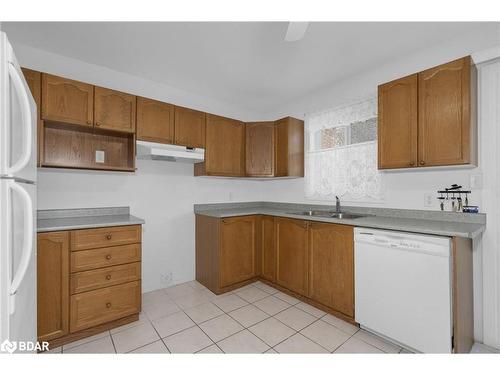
397, 123
331, 271
429, 119
225, 146
89, 281
67, 101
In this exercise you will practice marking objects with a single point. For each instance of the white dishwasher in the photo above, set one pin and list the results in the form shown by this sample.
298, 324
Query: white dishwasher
403, 288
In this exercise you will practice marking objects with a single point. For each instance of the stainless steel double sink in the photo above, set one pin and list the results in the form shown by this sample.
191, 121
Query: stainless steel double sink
332, 214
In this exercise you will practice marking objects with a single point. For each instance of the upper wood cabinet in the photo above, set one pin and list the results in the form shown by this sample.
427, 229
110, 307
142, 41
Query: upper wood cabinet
445, 98
268, 248
331, 272
292, 255
429, 119
225, 146
34, 81
260, 148
238, 250
155, 121
114, 110
67, 101
189, 127
289, 147
397, 123
53, 285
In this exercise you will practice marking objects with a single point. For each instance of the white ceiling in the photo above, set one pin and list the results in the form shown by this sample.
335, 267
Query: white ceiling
246, 63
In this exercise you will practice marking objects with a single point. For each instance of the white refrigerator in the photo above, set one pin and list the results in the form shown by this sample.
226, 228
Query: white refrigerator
18, 293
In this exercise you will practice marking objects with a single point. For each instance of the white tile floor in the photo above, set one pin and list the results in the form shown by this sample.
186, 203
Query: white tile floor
257, 318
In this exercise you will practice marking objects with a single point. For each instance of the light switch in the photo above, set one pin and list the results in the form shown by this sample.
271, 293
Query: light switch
99, 156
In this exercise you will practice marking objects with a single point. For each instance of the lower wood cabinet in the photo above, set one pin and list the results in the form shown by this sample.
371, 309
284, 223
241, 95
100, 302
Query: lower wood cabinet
292, 255
331, 270
85, 288
226, 251
52, 285
310, 260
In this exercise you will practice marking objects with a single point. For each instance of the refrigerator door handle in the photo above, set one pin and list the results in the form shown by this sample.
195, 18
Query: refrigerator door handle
27, 248
26, 115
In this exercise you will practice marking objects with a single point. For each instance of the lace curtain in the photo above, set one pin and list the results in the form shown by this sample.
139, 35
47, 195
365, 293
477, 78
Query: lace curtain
341, 156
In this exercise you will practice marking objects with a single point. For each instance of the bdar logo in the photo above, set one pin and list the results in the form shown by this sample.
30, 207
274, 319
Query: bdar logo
8, 346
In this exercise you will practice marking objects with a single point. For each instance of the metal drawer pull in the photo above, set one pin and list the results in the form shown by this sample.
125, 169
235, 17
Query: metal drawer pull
108, 305
108, 277
108, 236
108, 257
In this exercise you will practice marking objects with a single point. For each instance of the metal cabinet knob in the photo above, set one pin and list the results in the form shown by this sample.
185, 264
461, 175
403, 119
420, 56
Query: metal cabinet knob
109, 236
98, 124
108, 257
89, 122
108, 305
412, 163
422, 162
108, 277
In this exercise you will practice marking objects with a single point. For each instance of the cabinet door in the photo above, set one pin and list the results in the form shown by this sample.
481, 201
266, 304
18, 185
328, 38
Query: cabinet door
53, 285
189, 127
68, 101
155, 121
237, 250
268, 248
225, 147
444, 114
34, 81
114, 110
397, 123
259, 148
331, 272
292, 255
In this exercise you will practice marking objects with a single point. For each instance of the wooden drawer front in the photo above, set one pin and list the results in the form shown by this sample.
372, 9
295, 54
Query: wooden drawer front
105, 257
103, 237
104, 305
103, 277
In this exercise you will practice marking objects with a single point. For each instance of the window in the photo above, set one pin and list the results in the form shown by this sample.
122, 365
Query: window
341, 156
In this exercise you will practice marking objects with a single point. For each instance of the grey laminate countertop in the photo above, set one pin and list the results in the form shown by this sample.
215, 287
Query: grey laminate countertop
84, 218
416, 221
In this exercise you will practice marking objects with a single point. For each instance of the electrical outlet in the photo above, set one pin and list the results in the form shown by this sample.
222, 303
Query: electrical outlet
428, 199
166, 279
99, 156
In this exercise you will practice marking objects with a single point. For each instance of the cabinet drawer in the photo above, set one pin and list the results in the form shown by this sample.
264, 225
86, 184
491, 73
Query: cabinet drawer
103, 237
104, 305
103, 277
107, 256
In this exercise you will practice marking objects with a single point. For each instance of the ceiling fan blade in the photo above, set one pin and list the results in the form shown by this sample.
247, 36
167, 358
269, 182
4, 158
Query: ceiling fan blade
296, 31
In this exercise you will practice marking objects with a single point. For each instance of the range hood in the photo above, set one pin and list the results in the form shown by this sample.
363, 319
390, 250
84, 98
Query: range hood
159, 151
